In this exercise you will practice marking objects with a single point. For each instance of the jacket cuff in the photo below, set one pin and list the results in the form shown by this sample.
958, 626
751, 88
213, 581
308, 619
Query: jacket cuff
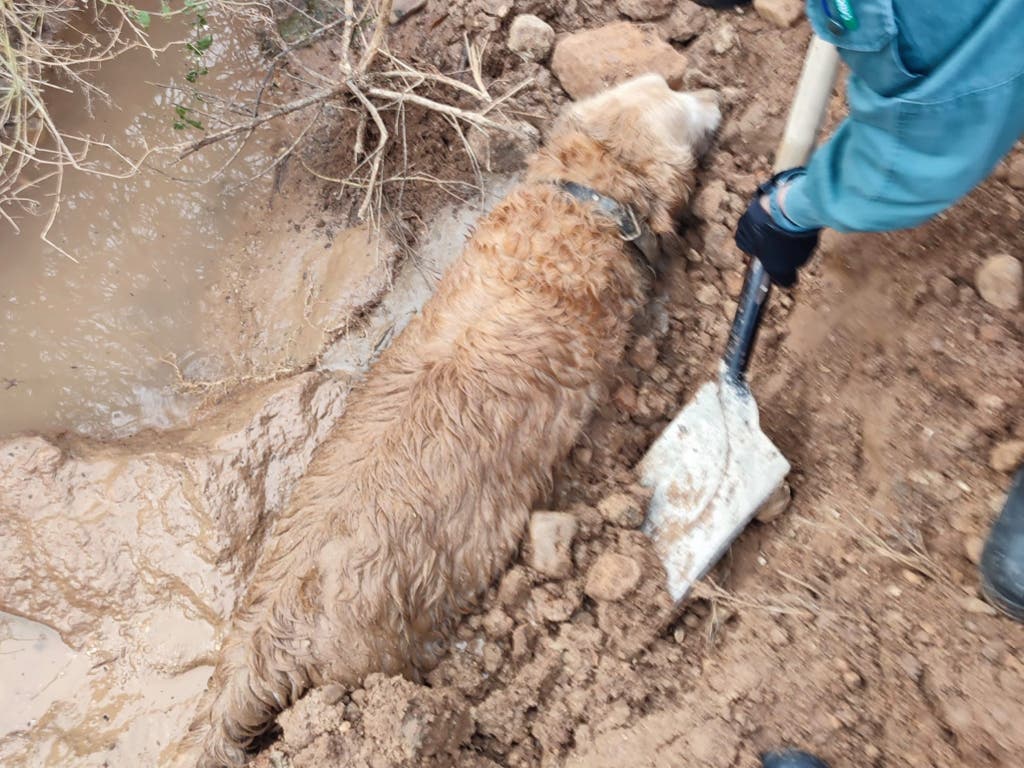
800, 215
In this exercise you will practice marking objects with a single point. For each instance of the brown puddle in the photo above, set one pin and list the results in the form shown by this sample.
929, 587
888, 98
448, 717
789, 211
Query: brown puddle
81, 344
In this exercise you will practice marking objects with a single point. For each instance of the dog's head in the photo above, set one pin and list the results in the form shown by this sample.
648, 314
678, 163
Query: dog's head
653, 134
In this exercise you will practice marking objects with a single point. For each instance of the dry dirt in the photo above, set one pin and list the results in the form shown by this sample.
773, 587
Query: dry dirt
851, 624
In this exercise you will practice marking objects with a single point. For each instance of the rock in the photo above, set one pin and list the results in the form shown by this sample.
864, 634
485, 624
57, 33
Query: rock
644, 354
1007, 456
531, 37
622, 510
781, 13
708, 295
973, 547
776, 504
1015, 175
708, 203
590, 61
551, 535
402, 9
551, 604
973, 604
1000, 281
612, 577
645, 10
497, 8
686, 21
723, 39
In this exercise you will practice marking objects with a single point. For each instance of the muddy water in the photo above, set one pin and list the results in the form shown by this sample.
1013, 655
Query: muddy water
83, 342
130, 556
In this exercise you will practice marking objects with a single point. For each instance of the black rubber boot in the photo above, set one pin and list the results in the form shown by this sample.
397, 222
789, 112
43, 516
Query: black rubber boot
721, 4
1002, 562
791, 758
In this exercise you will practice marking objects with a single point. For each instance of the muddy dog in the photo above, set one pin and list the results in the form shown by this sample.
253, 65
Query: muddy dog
420, 497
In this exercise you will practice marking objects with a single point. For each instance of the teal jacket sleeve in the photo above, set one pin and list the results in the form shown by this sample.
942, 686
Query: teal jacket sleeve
936, 98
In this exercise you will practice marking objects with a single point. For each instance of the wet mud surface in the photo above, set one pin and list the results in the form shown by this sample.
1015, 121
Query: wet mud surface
850, 624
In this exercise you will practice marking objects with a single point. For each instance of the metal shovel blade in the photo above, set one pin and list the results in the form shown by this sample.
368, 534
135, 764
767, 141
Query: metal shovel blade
710, 470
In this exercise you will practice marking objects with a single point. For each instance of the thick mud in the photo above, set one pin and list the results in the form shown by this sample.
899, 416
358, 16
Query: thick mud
850, 624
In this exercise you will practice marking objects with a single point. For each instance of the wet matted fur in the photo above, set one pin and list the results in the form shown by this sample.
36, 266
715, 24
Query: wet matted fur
419, 498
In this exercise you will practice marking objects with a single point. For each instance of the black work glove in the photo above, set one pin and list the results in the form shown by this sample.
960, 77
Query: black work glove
781, 252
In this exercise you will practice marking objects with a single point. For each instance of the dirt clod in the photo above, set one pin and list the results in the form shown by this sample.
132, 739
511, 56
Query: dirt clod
781, 13
623, 509
645, 10
612, 577
1007, 456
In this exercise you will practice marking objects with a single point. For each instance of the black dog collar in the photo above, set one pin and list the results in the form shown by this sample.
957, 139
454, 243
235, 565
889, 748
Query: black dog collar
631, 230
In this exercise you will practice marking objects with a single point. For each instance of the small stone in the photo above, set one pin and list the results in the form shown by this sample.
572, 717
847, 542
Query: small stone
852, 679
910, 577
498, 8
551, 535
645, 10
679, 635
991, 333
622, 510
612, 577
973, 547
1000, 281
686, 21
723, 39
1015, 172
554, 607
973, 604
402, 9
1007, 456
945, 290
776, 504
592, 60
514, 589
708, 295
531, 37
644, 354
781, 13
893, 591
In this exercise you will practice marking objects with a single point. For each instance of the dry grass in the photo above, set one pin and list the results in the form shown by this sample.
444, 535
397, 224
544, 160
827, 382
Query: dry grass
44, 45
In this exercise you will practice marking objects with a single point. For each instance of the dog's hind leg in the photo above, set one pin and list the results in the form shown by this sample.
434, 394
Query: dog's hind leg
260, 672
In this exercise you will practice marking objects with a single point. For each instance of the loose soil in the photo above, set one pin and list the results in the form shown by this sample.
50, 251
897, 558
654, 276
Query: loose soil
850, 624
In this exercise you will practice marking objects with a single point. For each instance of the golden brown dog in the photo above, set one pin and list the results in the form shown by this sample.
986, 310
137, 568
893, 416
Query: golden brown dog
420, 497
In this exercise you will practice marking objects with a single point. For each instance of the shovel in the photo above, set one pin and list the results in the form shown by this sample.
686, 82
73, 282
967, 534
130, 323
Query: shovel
713, 468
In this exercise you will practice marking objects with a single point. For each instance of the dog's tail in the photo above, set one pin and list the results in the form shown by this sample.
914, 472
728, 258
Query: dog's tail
256, 677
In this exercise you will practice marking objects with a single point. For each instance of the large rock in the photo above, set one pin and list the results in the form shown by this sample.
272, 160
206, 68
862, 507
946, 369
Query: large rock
1000, 281
781, 13
590, 61
612, 577
531, 37
645, 10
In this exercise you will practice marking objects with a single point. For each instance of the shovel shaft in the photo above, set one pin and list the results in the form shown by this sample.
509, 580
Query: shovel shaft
805, 118
757, 286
